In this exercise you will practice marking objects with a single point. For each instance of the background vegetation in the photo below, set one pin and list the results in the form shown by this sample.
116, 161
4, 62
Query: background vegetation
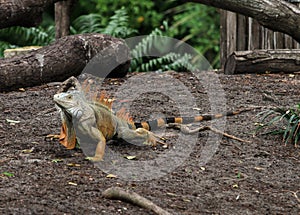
196, 24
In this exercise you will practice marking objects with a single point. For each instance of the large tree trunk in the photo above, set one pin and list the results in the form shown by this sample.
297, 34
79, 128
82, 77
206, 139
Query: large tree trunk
277, 15
97, 54
62, 18
260, 61
26, 13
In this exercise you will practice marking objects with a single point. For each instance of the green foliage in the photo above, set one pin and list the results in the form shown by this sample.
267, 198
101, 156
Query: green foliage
170, 61
117, 25
198, 25
5, 45
87, 24
144, 15
289, 119
142, 60
193, 23
19, 36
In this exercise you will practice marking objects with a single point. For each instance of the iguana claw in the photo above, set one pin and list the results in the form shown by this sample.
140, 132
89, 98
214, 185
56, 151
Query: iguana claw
154, 139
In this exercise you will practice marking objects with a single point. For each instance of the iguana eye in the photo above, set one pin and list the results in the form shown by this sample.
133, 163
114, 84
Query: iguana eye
69, 97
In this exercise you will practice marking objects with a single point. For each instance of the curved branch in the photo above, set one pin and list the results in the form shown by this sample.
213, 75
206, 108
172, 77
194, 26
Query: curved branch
277, 15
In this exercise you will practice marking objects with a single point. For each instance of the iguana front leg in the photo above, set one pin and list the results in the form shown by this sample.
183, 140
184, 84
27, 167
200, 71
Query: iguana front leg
88, 133
101, 143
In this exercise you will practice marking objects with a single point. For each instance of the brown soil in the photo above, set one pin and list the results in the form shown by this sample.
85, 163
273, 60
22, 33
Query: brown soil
40, 176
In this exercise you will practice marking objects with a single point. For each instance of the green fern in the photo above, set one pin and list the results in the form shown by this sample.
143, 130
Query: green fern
22, 36
142, 61
5, 45
87, 24
14, 37
198, 25
290, 119
144, 47
118, 25
170, 61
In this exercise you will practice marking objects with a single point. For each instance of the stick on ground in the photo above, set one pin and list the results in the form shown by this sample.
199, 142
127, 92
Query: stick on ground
133, 198
186, 130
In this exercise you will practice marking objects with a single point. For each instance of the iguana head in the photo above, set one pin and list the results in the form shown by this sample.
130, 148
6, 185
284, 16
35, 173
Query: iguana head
70, 102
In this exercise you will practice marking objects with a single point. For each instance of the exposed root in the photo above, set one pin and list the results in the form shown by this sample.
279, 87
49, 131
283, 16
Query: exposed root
133, 198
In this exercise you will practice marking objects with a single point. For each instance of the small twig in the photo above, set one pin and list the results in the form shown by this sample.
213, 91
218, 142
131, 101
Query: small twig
186, 130
133, 198
228, 135
294, 194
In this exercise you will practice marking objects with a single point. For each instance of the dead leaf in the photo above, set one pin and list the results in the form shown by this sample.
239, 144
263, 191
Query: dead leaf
73, 164
130, 157
186, 200
198, 109
27, 151
12, 122
52, 136
57, 160
235, 186
22, 89
111, 176
258, 168
72, 183
172, 194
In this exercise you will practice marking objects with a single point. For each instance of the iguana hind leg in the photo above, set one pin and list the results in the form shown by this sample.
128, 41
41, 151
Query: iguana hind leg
148, 137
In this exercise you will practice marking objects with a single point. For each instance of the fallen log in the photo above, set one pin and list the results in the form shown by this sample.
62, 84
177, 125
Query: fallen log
261, 61
26, 13
98, 54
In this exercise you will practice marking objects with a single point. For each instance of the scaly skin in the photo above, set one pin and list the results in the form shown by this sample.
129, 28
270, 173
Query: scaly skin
95, 121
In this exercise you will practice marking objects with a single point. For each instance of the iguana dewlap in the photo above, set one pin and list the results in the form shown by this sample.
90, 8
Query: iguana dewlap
96, 121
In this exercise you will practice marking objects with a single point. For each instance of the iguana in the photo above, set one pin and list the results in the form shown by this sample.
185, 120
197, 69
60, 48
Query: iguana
96, 121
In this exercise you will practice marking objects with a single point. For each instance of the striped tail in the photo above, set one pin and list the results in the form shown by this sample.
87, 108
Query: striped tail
161, 122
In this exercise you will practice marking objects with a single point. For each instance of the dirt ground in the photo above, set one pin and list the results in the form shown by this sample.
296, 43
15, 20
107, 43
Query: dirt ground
40, 176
